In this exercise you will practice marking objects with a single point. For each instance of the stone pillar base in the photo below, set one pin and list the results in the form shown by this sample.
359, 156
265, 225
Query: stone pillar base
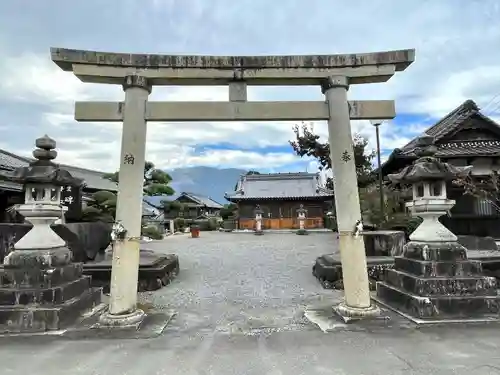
129, 320
351, 314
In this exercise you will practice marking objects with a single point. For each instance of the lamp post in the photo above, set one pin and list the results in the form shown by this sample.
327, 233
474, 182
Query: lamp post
377, 123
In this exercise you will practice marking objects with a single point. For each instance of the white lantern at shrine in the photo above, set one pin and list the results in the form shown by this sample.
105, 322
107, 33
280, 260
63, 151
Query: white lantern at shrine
428, 177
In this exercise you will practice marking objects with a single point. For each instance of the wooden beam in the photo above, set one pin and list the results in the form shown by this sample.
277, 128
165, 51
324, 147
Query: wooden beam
235, 111
252, 76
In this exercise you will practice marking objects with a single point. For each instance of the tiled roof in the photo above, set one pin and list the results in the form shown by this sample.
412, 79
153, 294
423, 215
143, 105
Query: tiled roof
10, 161
450, 124
10, 186
93, 179
476, 148
279, 186
202, 200
149, 210
155, 201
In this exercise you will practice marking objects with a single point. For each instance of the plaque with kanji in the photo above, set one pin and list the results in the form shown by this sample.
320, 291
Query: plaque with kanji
71, 197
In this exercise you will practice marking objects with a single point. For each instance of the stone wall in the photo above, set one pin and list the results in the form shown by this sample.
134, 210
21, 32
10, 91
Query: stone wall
85, 240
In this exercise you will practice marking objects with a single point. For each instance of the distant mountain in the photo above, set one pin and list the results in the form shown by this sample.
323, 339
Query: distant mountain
208, 181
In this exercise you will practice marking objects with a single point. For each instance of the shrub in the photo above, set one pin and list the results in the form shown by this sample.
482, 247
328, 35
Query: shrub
152, 233
403, 222
179, 223
330, 222
213, 223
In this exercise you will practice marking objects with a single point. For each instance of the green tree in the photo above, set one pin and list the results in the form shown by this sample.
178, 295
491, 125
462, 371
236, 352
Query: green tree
101, 207
172, 206
228, 210
156, 181
307, 143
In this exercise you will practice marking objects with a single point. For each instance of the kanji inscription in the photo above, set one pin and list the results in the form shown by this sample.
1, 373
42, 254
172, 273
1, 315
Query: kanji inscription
345, 156
128, 159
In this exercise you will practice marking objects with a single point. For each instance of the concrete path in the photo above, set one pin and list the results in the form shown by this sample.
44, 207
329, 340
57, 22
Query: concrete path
240, 300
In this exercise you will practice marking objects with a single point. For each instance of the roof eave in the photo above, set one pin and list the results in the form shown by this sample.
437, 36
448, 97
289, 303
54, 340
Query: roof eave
235, 199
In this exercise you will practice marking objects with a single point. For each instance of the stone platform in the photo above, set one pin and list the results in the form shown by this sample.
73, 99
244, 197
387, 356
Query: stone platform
436, 281
328, 270
44, 299
155, 270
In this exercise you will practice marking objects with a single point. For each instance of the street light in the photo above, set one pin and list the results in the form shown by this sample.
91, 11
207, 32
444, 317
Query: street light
377, 123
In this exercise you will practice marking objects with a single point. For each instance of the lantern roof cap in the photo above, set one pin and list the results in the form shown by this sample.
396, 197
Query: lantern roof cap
43, 170
301, 209
427, 167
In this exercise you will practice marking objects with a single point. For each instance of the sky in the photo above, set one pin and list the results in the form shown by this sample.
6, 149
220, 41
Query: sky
457, 45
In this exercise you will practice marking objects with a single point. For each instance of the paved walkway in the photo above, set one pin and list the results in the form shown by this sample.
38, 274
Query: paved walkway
239, 300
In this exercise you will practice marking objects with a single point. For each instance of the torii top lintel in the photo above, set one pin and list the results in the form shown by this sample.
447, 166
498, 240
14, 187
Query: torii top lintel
105, 67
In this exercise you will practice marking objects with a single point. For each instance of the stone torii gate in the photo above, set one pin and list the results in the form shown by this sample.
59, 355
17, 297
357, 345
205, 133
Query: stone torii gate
137, 73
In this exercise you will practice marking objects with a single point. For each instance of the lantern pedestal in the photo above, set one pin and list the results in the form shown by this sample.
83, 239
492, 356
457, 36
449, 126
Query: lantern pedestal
41, 246
434, 281
40, 289
431, 229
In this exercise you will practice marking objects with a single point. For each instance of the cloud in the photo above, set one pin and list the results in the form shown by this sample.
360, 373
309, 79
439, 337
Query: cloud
456, 59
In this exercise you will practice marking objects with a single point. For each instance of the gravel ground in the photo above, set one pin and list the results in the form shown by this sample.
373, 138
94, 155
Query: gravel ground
233, 281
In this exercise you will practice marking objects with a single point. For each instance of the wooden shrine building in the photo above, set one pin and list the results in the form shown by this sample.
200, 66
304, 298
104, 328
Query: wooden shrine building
279, 196
463, 137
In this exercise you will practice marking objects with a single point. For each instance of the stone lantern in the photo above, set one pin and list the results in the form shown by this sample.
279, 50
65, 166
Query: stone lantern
428, 177
301, 217
40, 288
433, 279
258, 220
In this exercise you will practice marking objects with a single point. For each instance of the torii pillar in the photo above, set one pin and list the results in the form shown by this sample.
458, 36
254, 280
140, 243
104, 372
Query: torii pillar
126, 251
357, 303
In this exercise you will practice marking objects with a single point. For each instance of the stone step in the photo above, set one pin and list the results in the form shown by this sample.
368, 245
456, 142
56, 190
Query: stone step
24, 319
441, 286
429, 268
39, 278
439, 251
449, 307
44, 296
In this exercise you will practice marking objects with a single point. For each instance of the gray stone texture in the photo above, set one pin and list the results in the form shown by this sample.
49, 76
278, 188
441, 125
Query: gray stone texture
85, 240
65, 58
384, 242
237, 298
10, 233
478, 243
